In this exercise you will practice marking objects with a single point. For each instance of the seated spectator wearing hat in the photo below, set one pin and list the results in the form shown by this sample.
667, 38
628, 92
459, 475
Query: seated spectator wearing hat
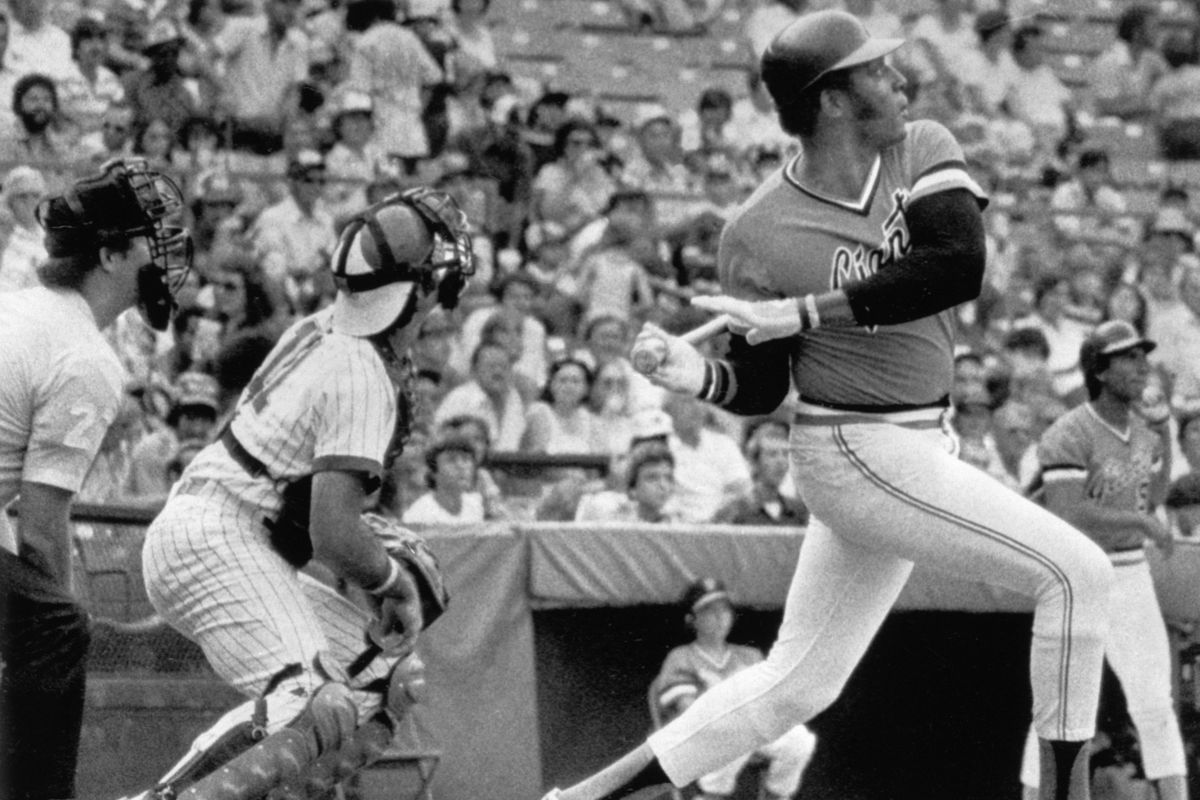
217, 223
1175, 99
692, 669
89, 88
451, 466
294, 238
160, 91
649, 494
1183, 505
656, 165
767, 450
356, 157
191, 420
23, 188
264, 57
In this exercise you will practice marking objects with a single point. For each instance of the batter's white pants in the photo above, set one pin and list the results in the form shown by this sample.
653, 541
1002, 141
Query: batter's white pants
786, 758
212, 574
883, 497
1139, 652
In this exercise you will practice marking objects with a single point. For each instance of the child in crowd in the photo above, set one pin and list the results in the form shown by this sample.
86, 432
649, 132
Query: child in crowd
452, 497
650, 490
611, 279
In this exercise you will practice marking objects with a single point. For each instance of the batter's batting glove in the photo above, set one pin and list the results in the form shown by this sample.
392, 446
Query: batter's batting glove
680, 368
758, 320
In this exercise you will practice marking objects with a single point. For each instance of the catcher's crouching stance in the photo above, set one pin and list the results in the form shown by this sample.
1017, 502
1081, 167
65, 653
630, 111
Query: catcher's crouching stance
285, 484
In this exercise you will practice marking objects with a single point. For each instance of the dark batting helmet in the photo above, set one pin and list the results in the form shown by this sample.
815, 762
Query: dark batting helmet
813, 46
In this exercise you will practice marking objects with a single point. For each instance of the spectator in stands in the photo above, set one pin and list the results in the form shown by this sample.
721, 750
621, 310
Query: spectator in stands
356, 158
108, 477
203, 20
1183, 505
22, 190
612, 281
649, 491
35, 44
264, 58
154, 141
611, 402
191, 420
1036, 95
767, 452
547, 114
754, 126
876, 16
515, 293
1174, 102
242, 301
8, 75
505, 329
657, 164
606, 337
1015, 431
709, 467
1123, 76
575, 188
1064, 335
670, 16
114, 139
1127, 302
90, 88
390, 63
475, 430
1189, 437
216, 222
434, 346
1026, 353
986, 70
1181, 345
1089, 206
37, 137
451, 464
476, 49
490, 395
161, 91
295, 237
561, 420
704, 129
949, 30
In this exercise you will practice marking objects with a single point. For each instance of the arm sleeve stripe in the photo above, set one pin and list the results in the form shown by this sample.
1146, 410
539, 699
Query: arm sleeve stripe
949, 177
1064, 474
675, 692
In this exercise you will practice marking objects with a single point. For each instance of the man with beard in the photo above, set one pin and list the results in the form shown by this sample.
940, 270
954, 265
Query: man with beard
35, 104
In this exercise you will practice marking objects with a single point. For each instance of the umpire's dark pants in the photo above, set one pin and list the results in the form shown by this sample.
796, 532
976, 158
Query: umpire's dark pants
44, 643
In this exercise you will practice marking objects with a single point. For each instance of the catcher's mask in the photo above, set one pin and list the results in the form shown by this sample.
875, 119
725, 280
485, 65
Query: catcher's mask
125, 201
413, 241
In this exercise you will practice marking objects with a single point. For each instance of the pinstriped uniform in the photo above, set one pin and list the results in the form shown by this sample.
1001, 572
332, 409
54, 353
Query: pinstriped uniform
1116, 468
880, 475
320, 401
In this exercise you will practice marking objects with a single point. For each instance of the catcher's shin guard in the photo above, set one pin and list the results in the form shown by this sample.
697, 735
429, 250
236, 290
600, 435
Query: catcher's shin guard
361, 750
327, 721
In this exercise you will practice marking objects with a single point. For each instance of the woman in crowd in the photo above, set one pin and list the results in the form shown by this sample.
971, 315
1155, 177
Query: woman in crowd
561, 421
575, 188
241, 299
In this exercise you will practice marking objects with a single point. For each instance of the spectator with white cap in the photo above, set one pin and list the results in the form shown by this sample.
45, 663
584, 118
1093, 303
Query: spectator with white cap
192, 418
657, 165
22, 190
357, 157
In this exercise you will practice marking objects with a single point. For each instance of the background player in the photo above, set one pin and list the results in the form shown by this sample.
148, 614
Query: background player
695, 667
60, 387
843, 268
1105, 466
285, 483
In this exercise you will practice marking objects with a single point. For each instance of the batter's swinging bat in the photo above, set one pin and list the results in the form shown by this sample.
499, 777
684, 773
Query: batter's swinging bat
650, 352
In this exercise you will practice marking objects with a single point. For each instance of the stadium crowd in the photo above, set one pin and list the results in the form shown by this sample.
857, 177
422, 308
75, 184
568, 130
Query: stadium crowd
280, 118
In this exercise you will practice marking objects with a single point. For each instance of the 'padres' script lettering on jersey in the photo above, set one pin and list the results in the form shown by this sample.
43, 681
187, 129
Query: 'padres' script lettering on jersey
854, 265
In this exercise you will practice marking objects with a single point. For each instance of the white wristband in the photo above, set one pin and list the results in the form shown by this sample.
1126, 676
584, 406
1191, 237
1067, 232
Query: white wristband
389, 583
814, 316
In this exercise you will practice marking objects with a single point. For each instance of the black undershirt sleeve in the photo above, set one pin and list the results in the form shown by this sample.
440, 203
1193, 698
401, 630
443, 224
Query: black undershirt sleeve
943, 268
754, 379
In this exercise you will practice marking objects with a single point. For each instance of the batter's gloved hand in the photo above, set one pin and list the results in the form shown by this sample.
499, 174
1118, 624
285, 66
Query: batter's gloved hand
758, 320
680, 366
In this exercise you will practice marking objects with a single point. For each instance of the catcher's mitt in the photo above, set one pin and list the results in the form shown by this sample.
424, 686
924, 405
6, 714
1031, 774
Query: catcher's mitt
411, 550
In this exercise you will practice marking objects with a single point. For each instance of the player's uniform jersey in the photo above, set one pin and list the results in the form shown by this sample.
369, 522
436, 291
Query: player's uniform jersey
320, 401
60, 388
1116, 466
691, 661
787, 241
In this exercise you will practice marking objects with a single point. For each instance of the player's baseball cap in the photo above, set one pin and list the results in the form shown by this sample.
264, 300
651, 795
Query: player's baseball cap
705, 592
1110, 338
365, 313
814, 45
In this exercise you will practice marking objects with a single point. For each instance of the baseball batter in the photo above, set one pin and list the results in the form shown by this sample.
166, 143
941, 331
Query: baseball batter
285, 483
841, 271
1104, 469
60, 388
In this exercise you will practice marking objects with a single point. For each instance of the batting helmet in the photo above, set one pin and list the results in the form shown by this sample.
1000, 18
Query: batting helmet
813, 46
1110, 338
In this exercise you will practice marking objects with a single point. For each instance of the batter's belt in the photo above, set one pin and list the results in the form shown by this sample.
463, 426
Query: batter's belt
928, 415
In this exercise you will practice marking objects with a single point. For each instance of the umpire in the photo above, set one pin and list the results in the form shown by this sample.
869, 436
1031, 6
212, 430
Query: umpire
60, 387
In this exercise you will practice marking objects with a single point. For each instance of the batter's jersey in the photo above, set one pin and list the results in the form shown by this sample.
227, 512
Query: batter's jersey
789, 241
320, 401
1115, 466
60, 388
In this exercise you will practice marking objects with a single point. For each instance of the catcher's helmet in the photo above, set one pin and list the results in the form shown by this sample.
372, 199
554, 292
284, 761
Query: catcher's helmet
813, 46
409, 242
